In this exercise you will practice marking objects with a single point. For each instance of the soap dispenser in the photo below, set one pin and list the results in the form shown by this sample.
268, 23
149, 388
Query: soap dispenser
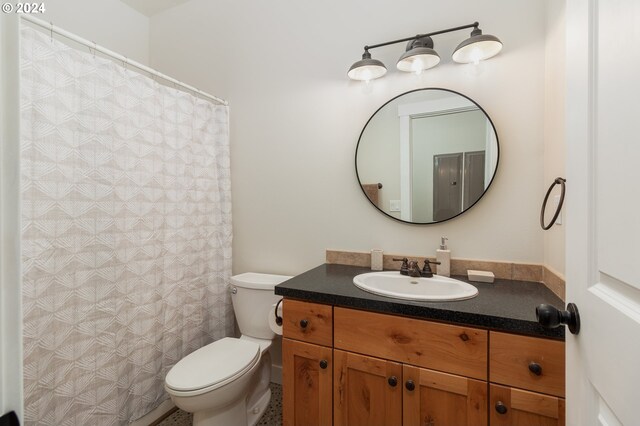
443, 256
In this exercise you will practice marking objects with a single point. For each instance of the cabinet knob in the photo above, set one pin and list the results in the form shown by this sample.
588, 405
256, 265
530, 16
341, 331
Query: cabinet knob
304, 323
393, 381
323, 364
501, 408
535, 368
410, 385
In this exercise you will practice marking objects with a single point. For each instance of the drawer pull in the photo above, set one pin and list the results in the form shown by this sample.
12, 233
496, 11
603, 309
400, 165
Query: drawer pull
304, 323
410, 385
501, 408
464, 337
323, 364
393, 381
535, 368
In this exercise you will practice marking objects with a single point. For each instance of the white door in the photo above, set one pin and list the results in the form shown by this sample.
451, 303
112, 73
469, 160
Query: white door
603, 211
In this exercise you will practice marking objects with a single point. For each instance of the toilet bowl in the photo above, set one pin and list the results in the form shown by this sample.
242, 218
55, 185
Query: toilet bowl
227, 382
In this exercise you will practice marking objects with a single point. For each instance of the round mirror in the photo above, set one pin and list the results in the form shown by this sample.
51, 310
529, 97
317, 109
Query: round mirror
427, 156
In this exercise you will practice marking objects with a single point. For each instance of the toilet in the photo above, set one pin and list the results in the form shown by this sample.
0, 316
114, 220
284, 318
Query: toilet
227, 381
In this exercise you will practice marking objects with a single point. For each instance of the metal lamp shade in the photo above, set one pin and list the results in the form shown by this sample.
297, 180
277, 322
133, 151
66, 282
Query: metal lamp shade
367, 69
477, 48
418, 59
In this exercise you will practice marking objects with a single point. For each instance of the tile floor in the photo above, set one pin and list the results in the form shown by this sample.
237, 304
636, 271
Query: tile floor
271, 417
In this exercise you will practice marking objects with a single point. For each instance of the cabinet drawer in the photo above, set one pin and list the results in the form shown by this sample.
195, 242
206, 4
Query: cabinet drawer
527, 362
449, 348
515, 407
309, 322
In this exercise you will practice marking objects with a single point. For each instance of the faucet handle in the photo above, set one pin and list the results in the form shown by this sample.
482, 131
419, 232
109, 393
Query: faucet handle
426, 269
404, 269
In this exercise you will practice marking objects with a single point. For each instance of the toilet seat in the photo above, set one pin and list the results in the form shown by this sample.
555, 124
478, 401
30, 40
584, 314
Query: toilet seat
212, 366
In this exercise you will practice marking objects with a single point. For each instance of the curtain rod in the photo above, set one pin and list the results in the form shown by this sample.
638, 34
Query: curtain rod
91, 45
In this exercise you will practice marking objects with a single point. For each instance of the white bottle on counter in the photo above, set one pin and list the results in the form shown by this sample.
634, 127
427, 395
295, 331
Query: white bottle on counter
443, 255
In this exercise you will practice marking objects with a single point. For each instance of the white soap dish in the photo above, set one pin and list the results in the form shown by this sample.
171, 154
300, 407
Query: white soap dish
480, 276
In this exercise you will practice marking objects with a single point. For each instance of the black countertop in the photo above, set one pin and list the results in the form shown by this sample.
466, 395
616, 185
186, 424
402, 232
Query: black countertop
504, 305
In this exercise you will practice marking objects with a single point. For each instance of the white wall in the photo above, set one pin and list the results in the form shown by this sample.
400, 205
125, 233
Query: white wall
296, 117
109, 23
554, 134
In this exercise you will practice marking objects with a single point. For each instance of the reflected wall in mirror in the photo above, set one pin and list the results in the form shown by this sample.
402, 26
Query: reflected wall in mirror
427, 156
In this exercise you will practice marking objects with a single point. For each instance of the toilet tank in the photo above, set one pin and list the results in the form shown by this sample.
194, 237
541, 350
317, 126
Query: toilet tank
253, 298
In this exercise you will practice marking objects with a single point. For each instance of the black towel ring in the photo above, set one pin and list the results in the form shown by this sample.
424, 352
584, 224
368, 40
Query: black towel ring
558, 181
278, 317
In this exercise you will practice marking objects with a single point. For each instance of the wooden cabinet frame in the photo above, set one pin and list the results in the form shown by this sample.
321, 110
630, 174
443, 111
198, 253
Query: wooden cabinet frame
448, 364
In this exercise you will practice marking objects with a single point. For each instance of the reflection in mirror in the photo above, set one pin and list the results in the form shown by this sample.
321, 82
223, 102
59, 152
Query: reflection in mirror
427, 156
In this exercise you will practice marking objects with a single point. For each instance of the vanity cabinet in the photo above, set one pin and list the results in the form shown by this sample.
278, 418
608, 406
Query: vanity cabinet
382, 369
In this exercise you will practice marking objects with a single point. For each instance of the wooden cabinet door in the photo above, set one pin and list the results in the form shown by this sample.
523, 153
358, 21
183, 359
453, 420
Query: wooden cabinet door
367, 390
307, 384
432, 398
516, 407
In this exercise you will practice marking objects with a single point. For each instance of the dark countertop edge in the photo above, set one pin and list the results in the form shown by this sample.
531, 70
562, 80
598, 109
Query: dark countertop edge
488, 322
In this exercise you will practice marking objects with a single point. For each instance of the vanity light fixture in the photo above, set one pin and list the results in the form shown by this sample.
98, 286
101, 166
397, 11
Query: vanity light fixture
367, 69
420, 55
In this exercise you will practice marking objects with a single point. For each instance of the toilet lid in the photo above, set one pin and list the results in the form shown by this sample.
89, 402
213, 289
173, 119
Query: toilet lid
213, 364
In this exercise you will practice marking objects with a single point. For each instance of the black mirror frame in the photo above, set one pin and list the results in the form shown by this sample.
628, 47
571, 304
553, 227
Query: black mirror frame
495, 172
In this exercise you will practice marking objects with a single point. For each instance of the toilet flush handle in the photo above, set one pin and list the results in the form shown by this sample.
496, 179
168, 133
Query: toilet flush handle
233, 290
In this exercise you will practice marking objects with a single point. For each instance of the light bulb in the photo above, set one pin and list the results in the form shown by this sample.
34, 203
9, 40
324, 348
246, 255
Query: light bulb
475, 56
475, 68
367, 87
418, 66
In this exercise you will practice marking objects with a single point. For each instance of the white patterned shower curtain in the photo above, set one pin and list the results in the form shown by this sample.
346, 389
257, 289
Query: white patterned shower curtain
126, 233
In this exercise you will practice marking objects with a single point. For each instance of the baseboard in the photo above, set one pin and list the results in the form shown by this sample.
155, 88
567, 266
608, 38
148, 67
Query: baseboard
276, 374
156, 415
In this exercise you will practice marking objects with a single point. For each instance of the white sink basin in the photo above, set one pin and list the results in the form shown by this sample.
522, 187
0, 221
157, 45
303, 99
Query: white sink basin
435, 289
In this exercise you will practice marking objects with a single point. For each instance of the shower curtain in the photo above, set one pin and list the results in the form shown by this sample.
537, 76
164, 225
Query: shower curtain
126, 233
